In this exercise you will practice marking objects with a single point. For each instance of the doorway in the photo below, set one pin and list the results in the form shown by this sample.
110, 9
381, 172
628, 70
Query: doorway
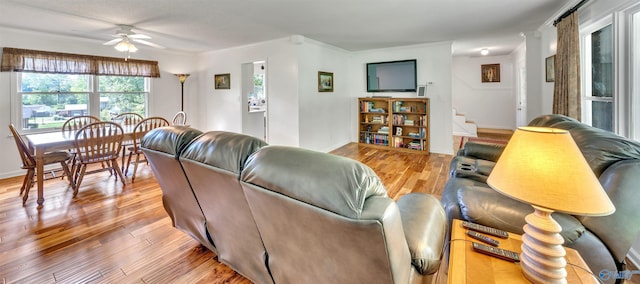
254, 99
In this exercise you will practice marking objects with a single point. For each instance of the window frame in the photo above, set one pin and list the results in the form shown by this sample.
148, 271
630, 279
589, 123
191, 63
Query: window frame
93, 100
586, 69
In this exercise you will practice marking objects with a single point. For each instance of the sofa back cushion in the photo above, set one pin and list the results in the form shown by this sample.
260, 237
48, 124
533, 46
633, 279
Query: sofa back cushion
170, 140
334, 183
161, 147
213, 163
600, 148
324, 218
224, 150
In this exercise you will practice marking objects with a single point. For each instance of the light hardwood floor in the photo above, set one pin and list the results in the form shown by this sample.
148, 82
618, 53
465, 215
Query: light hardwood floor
116, 234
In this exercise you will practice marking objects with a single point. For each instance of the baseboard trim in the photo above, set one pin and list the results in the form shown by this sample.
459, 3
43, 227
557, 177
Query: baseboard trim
634, 257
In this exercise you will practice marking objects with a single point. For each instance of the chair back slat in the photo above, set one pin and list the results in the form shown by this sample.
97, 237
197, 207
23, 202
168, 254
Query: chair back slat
28, 161
128, 118
99, 141
75, 123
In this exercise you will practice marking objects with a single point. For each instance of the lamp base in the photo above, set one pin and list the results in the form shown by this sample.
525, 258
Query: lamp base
542, 257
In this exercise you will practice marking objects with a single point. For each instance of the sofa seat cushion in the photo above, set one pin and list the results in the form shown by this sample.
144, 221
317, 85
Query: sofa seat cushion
483, 205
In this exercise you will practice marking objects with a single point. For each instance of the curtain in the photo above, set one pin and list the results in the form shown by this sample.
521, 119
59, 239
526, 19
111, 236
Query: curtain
566, 90
25, 60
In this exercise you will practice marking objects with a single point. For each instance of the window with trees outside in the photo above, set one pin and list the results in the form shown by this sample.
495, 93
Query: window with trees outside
599, 88
47, 100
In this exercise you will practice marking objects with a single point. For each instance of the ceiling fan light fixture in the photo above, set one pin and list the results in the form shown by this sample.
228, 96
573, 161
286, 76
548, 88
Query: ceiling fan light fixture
125, 46
132, 48
122, 46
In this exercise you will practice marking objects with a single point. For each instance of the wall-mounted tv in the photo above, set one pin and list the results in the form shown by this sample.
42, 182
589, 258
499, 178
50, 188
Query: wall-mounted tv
392, 76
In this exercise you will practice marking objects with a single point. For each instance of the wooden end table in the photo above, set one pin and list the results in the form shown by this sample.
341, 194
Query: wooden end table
468, 266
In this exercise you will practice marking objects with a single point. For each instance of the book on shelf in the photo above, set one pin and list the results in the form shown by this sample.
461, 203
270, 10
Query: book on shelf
373, 138
398, 142
369, 106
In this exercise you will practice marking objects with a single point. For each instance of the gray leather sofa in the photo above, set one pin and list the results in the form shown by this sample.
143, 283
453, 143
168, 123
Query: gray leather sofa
280, 214
603, 242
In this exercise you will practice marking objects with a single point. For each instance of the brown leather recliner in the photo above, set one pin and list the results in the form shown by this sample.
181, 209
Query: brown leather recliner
212, 164
328, 219
162, 147
287, 215
603, 241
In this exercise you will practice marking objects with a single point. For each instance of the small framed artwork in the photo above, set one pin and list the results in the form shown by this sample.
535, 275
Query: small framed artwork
490, 73
549, 68
222, 81
325, 81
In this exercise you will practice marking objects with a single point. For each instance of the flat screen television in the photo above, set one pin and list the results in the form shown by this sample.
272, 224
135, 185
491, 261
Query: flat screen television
392, 76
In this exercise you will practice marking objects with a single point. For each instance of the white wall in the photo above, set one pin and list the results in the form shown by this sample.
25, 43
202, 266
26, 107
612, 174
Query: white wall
434, 65
549, 44
164, 99
489, 105
324, 115
535, 76
222, 109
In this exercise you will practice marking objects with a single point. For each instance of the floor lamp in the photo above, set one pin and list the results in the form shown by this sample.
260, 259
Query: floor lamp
544, 167
182, 78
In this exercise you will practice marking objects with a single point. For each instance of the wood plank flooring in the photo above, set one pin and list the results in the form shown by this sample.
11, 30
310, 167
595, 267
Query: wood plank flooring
116, 234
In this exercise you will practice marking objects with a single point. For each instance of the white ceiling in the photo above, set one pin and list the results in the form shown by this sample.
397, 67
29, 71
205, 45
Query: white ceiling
205, 25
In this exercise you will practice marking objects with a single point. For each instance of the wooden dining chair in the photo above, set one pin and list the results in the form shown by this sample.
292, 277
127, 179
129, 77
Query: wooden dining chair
139, 131
29, 163
98, 142
127, 119
73, 124
180, 118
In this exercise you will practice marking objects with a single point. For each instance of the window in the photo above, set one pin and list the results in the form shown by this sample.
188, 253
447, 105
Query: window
53, 86
122, 94
47, 100
598, 108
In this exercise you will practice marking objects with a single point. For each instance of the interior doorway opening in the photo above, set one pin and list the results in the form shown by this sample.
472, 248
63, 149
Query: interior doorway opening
254, 98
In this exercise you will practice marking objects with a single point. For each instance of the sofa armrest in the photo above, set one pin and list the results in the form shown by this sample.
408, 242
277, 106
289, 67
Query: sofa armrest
484, 151
425, 227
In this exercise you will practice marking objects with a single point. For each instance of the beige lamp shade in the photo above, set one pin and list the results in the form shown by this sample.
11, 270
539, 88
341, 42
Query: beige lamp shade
544, 167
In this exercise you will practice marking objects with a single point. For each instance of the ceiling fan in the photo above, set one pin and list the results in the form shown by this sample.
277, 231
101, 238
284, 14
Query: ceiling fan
126, 37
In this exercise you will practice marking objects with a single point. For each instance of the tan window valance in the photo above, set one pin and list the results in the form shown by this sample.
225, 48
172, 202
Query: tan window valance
25, 60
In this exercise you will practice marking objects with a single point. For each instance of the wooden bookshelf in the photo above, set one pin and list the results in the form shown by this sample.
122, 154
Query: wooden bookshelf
400, 124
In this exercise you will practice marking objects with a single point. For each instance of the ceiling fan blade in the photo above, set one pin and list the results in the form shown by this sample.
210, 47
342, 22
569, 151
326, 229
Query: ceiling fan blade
113, 41
139, 36
149, 43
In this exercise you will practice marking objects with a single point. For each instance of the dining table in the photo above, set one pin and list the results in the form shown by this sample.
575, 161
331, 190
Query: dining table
42, 143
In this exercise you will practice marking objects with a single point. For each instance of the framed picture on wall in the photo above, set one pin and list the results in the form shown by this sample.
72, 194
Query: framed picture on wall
222, 81
549, 68
490, 73
325, 81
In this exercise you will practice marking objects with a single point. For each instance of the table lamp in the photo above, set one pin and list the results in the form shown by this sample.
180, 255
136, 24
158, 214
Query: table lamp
544, 167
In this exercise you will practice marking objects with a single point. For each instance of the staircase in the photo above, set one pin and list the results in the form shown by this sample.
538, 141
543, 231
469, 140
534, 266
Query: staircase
462, 127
